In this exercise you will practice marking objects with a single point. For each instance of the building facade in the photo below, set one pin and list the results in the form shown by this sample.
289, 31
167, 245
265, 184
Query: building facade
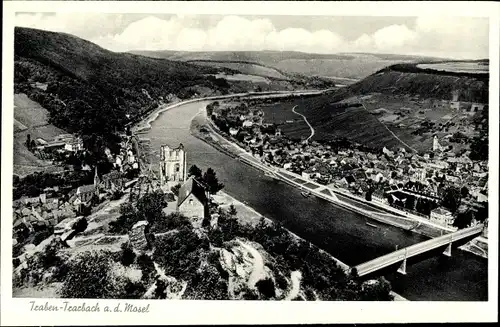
442, 216
173, 163
192, 202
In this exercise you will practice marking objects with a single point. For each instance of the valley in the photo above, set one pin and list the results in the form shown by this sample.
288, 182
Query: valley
398, 129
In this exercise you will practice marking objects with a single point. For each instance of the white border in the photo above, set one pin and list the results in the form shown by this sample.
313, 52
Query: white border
16, 311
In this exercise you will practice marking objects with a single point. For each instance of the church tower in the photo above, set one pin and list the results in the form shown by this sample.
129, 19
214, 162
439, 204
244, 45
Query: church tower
435, 144
173, 163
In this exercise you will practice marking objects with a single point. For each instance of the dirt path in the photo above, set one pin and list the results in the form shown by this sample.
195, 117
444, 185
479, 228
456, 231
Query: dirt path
295, 276
258, 266
307, 122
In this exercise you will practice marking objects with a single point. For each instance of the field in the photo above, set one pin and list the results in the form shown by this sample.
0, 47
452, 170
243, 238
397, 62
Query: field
404, 115
352, 69
242, 77
244, 68
34, 118
458, 67
354, 123
385, 120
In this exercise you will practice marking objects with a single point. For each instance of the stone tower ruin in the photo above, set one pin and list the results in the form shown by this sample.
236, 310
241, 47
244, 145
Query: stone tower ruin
172, 165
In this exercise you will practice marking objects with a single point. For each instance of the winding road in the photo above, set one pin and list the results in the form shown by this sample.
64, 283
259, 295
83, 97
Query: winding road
305, 119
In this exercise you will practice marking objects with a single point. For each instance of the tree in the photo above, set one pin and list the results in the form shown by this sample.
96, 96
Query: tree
479, 147
368, 196
175, 189
160, 289
128, 217
266, 288
410, 203
195, 172
464, 192
81, 225
232, 210
88, 277
28, 141
482, 212
172, 221
212, 182
128, 255
463, 219
150, 207
147, 266
423, 206
451, 198
376, 291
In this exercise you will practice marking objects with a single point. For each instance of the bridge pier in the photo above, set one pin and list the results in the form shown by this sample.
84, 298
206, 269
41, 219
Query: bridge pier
402, 268
447, 251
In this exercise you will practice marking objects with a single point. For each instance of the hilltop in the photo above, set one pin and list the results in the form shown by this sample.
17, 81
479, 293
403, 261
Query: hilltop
343, 68
409, 79
400, 105
69, 69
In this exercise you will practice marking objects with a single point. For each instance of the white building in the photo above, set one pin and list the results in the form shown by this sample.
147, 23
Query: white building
442, 217
420, 174
233, 131
475, 107
378, 177
247, 123
306, 175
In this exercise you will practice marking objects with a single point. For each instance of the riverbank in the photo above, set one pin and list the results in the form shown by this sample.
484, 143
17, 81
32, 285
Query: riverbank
478, 246
145, 123
340, 232
203, 129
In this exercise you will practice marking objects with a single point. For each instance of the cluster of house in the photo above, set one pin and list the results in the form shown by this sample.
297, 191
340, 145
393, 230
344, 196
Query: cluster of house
55, 205
61, 143
361, 172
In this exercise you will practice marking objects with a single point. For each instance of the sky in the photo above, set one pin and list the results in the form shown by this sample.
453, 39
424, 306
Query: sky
450, 37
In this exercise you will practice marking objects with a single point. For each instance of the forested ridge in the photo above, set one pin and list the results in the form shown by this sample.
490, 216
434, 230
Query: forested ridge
95, 92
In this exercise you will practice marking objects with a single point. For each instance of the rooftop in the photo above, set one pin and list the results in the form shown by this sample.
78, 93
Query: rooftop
191, 186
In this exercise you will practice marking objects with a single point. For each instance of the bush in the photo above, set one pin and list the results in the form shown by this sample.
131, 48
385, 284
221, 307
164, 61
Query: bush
16, 262
379, 291
160, 289
133, 290
172, 221
81, 225
147, 266
128, 255
175, 189
128, 217
88, 277
180, 253
170, 197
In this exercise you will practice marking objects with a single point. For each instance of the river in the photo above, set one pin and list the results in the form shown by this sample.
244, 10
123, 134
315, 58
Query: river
344, 234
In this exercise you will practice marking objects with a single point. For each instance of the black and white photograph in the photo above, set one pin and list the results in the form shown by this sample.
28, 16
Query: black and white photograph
257, 156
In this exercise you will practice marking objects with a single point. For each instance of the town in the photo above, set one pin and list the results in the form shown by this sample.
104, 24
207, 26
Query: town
324, 172
438, 185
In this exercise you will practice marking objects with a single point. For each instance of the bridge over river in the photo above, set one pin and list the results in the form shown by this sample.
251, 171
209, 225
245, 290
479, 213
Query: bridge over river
411, 251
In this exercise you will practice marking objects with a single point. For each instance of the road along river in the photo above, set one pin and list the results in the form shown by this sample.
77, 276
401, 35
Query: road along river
344, 234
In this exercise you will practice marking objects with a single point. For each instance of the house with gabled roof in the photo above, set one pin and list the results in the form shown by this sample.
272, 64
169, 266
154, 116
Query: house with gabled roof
192, 201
